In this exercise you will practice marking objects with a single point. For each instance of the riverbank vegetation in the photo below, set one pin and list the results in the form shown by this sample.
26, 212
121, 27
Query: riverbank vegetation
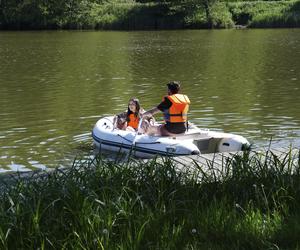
253, 204
143, 14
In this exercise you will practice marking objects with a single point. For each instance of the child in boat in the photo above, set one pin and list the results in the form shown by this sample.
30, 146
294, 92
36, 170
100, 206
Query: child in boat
129, 120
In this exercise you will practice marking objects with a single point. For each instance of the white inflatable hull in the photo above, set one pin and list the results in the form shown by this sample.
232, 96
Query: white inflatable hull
195, 141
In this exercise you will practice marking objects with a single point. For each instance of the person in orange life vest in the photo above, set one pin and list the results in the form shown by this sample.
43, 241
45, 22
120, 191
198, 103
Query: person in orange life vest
174, 107
129, 120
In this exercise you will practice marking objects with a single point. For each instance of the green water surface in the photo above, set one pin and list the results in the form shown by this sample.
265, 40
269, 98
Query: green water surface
54, 85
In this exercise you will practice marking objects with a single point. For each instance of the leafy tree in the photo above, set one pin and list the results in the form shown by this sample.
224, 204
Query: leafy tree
206, 4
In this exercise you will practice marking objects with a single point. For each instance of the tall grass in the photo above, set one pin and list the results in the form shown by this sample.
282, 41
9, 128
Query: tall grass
95, 204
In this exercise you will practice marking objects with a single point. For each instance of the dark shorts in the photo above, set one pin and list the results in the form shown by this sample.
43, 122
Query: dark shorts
176, 128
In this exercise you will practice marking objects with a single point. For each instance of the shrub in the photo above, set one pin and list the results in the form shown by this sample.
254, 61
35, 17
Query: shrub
265, 13
221, 17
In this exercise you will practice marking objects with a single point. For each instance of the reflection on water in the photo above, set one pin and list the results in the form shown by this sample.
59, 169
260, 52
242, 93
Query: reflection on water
55, 85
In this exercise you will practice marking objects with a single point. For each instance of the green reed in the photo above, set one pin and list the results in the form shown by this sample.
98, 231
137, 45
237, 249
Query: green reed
250, 202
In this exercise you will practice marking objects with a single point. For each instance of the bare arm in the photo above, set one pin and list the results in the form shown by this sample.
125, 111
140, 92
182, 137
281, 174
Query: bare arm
151, 112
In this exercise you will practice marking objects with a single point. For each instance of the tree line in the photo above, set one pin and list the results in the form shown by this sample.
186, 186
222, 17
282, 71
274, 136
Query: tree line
31, 14
146, 14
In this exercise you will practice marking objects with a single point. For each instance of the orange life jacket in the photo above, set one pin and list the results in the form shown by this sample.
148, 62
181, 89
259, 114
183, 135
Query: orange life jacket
133, 121
178, 111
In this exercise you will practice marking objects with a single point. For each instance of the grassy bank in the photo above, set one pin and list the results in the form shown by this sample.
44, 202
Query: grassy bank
131, 15
255, 204
271, 14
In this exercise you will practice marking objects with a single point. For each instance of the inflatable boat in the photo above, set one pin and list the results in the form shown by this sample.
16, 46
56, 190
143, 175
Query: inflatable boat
194, 141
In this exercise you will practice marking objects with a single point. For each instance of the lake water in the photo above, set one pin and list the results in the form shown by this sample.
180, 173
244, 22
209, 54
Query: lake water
55, 85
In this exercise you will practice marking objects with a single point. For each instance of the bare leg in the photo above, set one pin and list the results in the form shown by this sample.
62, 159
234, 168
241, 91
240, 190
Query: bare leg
144, 128
154, 130
129, 128
165, 132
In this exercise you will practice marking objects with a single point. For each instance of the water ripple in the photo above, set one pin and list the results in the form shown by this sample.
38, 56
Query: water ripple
55, 86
